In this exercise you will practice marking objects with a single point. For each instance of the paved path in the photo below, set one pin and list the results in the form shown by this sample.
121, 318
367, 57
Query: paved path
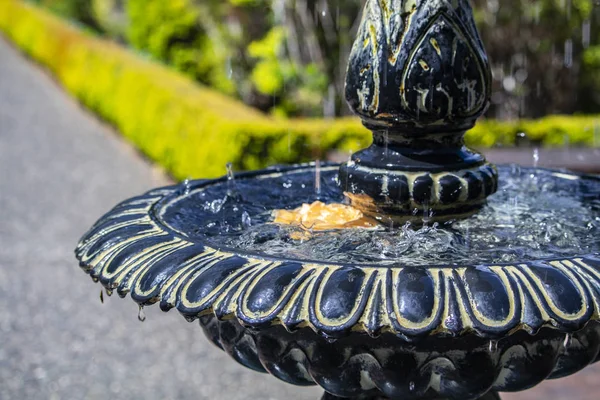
59, 170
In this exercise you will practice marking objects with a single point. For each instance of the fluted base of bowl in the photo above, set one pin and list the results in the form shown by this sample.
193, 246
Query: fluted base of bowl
328, 396
431, 368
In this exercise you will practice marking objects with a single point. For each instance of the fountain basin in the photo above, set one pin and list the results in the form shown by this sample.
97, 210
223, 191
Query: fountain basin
456, 329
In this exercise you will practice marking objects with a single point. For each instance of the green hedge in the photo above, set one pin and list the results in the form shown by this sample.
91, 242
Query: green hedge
194, 131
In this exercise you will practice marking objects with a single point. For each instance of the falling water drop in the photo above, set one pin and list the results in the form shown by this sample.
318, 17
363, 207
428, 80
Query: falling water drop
567, 342
493, 346
229, 67
230, 176
141, 314
318, 177
386, 140
568, 53
586, 33
522, 139
101, 297
536, 157
231, 189
186, 187
411, 386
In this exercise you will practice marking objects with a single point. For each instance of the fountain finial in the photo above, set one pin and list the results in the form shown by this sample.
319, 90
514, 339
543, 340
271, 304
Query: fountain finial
419, 78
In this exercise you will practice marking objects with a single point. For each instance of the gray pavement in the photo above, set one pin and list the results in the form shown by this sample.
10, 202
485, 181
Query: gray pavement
60, 169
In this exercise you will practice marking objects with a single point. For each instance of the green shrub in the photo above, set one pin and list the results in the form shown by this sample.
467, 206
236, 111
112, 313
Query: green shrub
194, 131
171, 32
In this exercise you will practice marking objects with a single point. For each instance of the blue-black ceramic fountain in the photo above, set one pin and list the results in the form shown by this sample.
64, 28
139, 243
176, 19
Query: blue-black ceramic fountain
416, 270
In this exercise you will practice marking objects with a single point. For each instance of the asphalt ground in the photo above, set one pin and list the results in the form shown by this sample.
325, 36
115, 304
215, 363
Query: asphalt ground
60, 169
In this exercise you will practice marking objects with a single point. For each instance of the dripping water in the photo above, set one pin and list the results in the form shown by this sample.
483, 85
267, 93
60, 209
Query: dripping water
141, 314
318, 178
567, 342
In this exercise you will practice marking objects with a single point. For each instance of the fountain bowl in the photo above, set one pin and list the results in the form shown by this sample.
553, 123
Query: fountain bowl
454, 330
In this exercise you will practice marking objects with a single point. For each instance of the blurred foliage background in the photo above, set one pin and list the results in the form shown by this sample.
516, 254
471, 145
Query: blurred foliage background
288, 57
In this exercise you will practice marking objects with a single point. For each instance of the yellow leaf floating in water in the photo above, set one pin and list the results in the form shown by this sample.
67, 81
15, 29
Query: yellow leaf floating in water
319, 216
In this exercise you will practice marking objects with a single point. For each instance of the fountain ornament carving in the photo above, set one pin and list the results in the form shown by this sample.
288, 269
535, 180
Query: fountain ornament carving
419, 78
459, 310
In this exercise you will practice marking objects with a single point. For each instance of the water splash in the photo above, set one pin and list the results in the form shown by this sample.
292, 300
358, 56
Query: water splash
526, 220
246, 220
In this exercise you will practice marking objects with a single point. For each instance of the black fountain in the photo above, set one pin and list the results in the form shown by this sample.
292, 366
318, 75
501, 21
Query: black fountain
416, 270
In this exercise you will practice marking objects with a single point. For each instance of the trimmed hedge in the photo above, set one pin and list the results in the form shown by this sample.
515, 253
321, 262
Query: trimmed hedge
195, 131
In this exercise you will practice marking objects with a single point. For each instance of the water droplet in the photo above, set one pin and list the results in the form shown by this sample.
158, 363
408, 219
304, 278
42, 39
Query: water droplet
509, 83
536, 157
101, 297
586, 33
567, 342
230, 176
493, 346
141, 314
522, 140
411, 386
318, 177
568, 53
386, 140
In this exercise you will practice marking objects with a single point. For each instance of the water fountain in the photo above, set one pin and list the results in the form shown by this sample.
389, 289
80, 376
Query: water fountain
416, 270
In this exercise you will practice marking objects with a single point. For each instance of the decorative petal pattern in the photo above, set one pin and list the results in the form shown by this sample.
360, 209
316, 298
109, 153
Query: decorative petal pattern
389, 366
131, 250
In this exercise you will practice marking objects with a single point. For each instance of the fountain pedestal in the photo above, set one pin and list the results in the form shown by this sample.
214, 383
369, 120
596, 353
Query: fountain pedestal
419, 78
